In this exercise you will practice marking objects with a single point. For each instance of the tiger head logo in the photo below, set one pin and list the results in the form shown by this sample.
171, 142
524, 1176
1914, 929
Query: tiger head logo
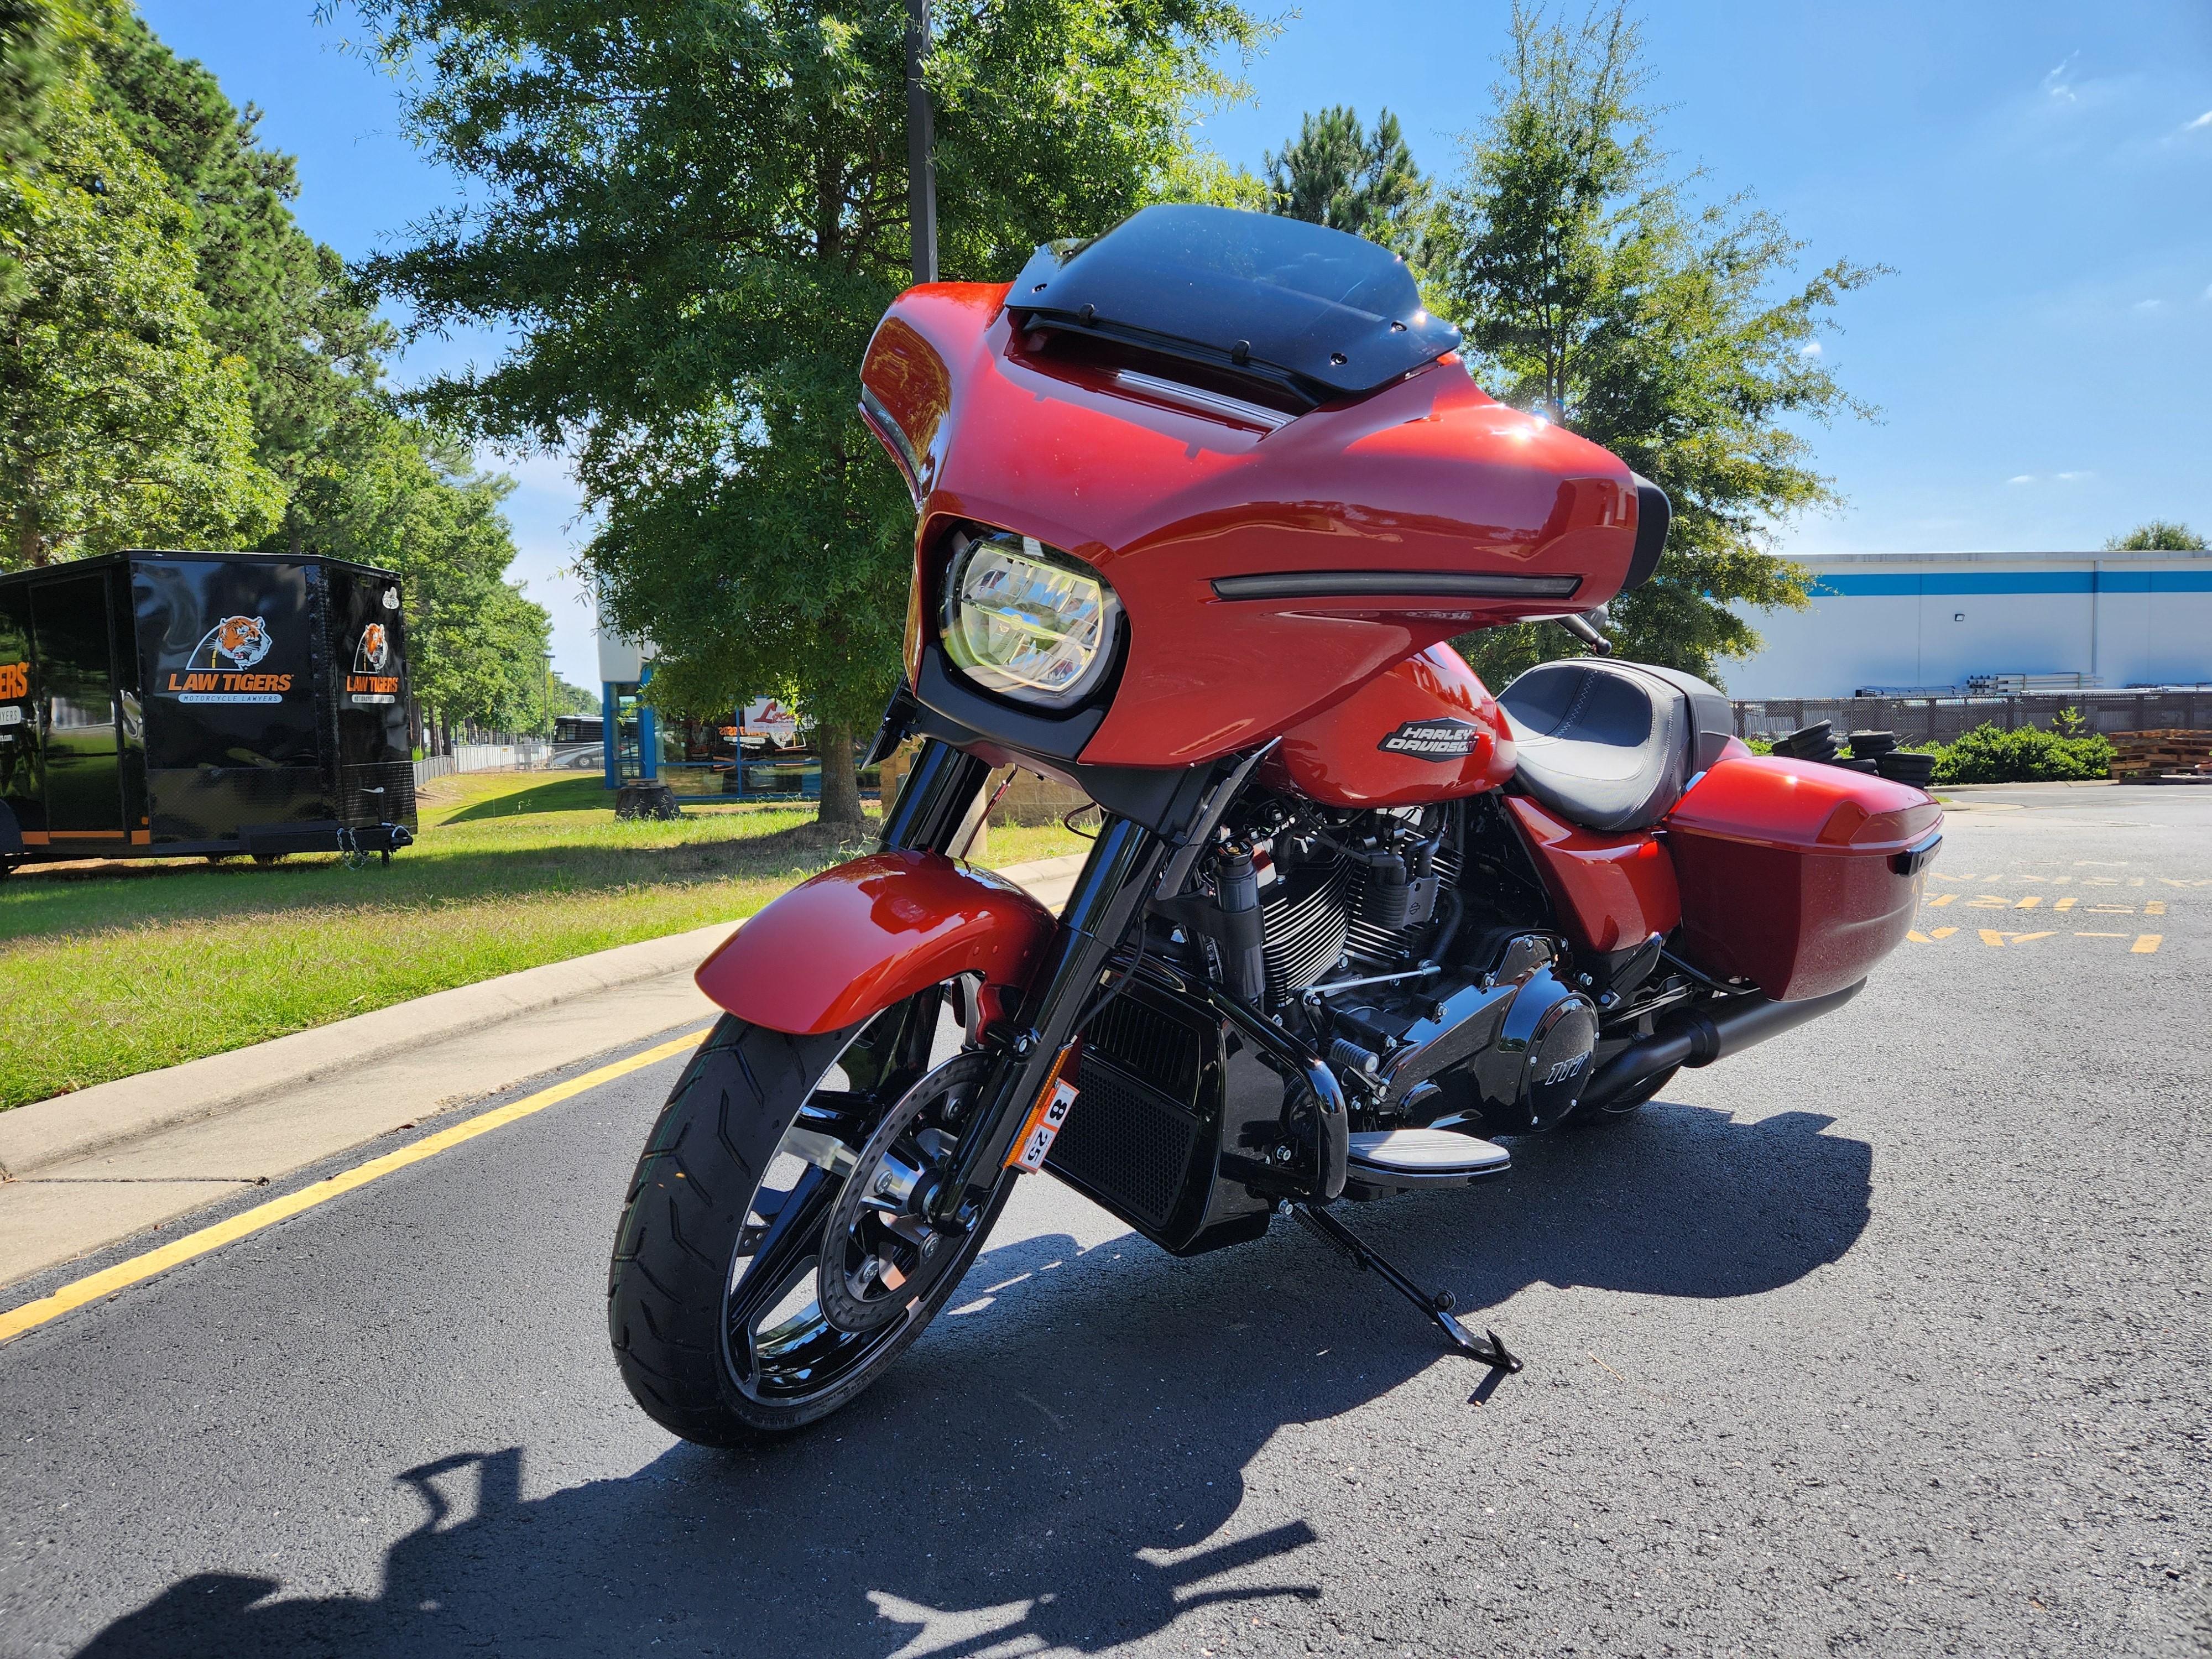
234, 642
373, 651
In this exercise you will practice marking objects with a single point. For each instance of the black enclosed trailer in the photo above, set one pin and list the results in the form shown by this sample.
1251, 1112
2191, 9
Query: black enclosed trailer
169, 704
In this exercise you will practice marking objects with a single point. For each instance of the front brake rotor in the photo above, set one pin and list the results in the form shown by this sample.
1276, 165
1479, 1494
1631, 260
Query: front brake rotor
878, 1255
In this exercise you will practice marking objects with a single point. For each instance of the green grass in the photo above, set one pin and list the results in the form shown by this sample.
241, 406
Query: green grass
112, 970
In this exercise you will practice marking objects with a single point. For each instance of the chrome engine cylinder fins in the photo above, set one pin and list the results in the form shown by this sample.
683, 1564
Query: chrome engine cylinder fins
1307, 921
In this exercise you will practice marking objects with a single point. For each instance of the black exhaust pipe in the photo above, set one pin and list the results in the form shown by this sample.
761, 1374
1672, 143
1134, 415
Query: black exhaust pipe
1729, 1028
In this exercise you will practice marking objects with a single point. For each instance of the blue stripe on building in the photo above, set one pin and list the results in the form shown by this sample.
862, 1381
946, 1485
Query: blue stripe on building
2029, 581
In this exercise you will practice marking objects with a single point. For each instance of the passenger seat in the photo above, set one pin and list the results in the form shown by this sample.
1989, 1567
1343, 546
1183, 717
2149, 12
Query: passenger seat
1611, 745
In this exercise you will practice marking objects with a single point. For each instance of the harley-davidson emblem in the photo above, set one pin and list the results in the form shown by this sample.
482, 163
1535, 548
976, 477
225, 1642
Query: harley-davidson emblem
1435, 740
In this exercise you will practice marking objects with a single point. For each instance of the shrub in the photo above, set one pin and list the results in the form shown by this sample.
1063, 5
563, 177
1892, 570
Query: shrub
2028, 754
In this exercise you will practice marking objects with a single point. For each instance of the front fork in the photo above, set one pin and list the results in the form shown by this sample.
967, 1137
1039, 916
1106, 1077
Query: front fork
1125, 862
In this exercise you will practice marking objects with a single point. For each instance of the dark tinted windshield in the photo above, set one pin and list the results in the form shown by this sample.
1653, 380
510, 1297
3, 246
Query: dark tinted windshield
1334, 312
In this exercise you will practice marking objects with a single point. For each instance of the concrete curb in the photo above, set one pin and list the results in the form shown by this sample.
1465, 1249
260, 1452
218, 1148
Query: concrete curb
2041, 783
45, 1133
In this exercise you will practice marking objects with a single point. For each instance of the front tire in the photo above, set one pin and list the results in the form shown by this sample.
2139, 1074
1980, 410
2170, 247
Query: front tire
713, 1302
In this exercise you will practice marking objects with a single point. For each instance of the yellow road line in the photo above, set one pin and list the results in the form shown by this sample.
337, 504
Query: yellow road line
2145, 944
91, 1288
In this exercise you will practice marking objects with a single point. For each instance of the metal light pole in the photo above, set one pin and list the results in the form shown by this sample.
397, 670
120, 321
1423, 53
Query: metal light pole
920, 164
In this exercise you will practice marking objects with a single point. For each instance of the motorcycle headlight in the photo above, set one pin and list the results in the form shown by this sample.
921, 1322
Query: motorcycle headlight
1027, 620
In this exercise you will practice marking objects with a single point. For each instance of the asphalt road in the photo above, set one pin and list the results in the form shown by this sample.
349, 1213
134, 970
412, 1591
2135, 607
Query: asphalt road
1890, 1338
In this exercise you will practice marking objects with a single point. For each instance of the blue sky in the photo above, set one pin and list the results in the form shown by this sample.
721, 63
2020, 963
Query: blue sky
2039, 175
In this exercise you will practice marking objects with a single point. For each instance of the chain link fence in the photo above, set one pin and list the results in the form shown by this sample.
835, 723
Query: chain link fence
1941, 720
524, 753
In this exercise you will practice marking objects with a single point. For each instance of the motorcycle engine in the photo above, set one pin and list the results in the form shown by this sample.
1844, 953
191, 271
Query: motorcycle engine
1496, 1032
1351, 899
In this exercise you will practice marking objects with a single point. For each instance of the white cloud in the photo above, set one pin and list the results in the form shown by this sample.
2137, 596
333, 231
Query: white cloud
2208, 290
2071, 477
2150, 305
2203, 121
1811, 350
2059, 82
2024, 478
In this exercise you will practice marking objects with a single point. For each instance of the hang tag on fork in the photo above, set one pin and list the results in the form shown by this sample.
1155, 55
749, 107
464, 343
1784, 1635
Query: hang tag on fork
1044, 1126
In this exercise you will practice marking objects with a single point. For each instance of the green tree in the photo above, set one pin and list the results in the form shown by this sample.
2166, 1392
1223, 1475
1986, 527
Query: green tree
35, 52
283, 305
395, 494
2159, 536
41, 47
574, 699
1337, 174
1197, 174
1593, 290
692, 220
119, 422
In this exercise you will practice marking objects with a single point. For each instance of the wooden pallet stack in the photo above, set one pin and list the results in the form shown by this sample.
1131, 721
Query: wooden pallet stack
2146, 756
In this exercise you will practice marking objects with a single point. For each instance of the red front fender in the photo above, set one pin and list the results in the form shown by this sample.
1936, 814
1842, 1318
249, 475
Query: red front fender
853, 940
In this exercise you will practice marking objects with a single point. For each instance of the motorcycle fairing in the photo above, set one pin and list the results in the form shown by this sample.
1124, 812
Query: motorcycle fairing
853, 940
1267, 565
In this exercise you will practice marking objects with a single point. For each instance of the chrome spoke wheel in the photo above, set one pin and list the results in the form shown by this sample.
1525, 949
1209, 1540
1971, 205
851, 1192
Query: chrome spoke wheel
834, 1267
880, 1255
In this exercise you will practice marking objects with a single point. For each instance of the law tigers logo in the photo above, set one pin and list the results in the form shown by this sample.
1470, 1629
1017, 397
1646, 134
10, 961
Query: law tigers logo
234, 642
375, 650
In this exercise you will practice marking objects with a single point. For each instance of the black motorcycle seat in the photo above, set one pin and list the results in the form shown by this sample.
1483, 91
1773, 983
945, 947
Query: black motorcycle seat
1611, 745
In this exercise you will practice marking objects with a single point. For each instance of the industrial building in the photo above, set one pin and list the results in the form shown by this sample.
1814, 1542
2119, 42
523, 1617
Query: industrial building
1943, 624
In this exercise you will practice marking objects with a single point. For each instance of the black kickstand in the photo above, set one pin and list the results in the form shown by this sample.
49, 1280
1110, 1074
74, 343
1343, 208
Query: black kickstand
1487, 1348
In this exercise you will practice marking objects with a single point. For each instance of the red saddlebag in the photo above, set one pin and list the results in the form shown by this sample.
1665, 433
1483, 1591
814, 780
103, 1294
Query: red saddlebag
1797, 875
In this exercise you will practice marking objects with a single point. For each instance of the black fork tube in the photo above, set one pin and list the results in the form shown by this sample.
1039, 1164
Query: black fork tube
933, 802
1125, 861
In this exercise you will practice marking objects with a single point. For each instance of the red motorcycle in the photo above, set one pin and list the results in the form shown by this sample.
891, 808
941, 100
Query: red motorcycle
1199, 503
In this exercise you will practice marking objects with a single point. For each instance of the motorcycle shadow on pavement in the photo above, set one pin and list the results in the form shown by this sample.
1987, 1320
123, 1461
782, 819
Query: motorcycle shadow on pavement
1059, 1467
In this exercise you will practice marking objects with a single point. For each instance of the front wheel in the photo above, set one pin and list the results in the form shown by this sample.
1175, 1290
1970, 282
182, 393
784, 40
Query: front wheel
768, 1266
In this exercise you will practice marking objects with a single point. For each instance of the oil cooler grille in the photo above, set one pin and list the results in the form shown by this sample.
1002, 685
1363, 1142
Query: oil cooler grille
1134, 1133
1165, 1053
1127, 1142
